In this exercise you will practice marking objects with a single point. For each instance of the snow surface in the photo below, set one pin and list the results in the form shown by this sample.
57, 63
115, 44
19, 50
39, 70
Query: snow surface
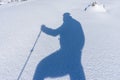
98, 8
20, 24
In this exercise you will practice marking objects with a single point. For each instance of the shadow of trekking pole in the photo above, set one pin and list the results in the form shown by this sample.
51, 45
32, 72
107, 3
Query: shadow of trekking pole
29, 56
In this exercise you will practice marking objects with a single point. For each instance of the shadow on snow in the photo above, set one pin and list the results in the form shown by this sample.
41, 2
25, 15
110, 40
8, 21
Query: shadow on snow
66, 60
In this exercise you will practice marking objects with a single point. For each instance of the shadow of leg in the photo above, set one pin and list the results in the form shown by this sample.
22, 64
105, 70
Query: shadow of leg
39, 74
77, 74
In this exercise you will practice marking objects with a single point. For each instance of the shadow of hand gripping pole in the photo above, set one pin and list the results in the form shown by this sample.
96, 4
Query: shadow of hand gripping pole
67, 59
20, 74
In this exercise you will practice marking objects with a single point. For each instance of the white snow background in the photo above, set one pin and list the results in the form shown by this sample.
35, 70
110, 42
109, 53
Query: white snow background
20, 24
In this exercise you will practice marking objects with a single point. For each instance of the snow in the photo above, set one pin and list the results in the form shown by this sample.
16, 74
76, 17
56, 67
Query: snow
20, 24
99, 8
96, 7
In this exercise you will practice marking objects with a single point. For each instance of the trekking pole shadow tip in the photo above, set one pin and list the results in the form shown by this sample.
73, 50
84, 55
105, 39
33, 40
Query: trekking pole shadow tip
20, 74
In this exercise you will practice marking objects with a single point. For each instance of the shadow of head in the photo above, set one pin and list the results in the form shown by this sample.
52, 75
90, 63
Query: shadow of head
66, 60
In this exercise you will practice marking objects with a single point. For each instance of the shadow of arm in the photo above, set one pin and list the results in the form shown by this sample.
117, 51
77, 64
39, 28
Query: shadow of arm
49, 31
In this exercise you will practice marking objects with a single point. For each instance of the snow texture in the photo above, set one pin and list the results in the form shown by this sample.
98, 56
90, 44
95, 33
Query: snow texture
20, 24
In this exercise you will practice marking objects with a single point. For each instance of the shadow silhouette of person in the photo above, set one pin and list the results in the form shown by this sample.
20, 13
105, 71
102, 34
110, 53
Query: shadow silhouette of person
66, 60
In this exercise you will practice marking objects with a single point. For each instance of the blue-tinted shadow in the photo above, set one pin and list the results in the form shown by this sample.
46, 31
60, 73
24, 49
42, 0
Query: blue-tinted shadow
66, 60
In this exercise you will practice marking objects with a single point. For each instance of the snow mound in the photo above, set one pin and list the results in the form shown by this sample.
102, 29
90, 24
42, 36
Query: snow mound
99, 8
96, 7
